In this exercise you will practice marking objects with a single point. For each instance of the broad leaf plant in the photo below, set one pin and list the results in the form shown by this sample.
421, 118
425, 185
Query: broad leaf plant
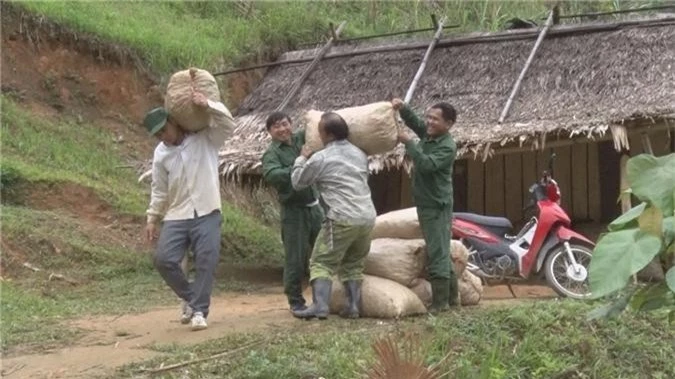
638, 236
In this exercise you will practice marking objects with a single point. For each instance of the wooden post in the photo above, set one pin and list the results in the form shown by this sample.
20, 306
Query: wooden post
625, 197
647, 144
423, 65
516, 86
332, 31
298, 83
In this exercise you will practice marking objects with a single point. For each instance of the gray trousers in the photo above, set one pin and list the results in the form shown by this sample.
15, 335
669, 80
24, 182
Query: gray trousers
202, 236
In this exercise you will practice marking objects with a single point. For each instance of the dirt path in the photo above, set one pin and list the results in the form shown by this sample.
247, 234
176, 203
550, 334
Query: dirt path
112, 341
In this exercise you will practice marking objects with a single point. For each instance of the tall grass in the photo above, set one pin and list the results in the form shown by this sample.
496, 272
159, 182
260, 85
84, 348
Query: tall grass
220, 34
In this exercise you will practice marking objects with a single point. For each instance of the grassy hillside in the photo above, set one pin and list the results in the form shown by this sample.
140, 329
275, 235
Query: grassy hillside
219, 34
35, 149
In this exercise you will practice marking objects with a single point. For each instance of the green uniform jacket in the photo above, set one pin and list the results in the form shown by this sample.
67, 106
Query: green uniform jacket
433, 159
277, 164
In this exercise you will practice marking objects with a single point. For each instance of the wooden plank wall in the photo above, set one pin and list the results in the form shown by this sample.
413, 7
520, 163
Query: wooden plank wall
500, 186
661, 143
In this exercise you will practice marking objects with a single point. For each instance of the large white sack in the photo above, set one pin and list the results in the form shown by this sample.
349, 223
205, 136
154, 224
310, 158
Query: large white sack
402, 223
178, 99
470, 289
372, 127
396, 259
459, 255
380, 298
422, 288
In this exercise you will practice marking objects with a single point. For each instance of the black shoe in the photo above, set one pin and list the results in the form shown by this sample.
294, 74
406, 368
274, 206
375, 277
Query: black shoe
321, 291
453, 291
298, 307
353, 299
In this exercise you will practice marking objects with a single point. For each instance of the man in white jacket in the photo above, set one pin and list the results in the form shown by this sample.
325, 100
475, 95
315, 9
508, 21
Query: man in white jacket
186, 200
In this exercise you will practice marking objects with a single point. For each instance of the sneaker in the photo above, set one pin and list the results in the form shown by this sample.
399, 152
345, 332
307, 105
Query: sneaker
186, 315
198, 321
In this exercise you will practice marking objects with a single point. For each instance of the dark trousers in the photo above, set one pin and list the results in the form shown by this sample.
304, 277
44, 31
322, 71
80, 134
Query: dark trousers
300, 226
436, 224
202, 236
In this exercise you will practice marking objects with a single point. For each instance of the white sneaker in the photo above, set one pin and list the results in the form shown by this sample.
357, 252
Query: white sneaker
198, 321
186, 313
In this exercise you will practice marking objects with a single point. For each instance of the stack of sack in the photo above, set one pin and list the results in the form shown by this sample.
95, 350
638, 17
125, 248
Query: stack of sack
394, 283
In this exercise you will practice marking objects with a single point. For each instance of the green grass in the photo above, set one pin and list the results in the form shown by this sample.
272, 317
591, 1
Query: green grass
536, 340
40, 150
218, 34
28, 319
58, 243
249, 241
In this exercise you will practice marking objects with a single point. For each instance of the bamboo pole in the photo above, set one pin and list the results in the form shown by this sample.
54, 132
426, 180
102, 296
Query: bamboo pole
308, 70
516, 86
215, 356
452, 42
423, 65
620, 11
410, 31
647, 144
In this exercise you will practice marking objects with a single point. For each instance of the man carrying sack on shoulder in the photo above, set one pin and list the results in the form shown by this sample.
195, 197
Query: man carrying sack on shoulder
301, 214
433, 159
340, 172
185, 198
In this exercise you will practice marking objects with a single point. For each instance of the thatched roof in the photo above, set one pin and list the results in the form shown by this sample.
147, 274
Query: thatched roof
579, 84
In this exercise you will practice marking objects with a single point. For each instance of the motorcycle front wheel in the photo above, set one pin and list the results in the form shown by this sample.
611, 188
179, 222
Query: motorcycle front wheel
566, 279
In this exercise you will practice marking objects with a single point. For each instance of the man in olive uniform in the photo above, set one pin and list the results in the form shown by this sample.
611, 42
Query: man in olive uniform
433, 158
301, 214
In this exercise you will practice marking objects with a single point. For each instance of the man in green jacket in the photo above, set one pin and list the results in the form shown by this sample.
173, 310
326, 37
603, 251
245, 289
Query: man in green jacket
433, 158
301, 215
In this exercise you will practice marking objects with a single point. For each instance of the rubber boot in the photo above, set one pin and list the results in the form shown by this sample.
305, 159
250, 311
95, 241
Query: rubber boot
353, 299
439, 295
321, 291
453, 291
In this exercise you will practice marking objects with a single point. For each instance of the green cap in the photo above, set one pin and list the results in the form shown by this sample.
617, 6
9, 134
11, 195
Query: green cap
155, 120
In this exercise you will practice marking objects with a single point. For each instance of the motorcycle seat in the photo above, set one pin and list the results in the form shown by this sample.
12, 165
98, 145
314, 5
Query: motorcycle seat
497, 222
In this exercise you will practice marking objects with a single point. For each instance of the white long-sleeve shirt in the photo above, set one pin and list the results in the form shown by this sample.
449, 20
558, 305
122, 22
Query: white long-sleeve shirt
185, 178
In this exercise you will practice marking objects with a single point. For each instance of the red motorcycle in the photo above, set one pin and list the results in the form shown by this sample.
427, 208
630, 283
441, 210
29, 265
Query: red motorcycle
545, 246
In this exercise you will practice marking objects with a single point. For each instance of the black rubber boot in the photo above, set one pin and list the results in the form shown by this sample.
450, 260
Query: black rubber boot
440, 296
353, 299
453, 291
320, 308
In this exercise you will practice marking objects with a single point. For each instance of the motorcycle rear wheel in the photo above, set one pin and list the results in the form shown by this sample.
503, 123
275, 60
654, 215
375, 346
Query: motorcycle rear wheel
557, 271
